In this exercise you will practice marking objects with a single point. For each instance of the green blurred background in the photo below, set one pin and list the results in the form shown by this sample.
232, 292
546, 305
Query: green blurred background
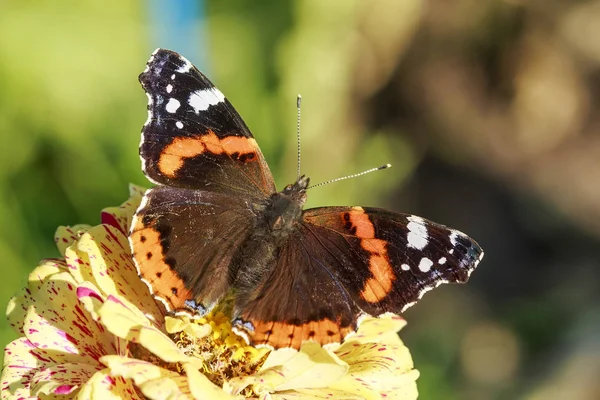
486, 109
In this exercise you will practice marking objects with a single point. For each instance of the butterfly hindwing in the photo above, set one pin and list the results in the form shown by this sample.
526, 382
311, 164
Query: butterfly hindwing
345, 262
183, 242
194, 138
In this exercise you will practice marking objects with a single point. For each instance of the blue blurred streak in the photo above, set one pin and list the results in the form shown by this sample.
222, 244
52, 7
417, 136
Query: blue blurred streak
180, 26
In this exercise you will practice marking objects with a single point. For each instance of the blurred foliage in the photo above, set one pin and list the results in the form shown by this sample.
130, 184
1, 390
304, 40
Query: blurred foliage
485, 109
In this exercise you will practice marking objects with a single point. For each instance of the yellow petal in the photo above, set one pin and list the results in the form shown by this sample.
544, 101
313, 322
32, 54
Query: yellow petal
58, 321
183, 324
323, 393
167, 389
138, 370
125, 324
79, 265
102, 386
376, 368
311, 367
19, 367
113, 269
120, 217
67, 235
202, 388
380, 330
61, 379
91, 299
18, 305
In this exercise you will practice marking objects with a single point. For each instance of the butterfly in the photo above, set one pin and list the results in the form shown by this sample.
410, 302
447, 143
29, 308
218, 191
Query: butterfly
215, 226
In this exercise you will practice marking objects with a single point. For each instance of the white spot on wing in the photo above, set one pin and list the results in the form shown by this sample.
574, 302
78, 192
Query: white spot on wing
172, 105
185, 67
442, 260
405, 267
173, 77
453, 235
169, 88
200, 100
417, 237
179, 124
425, 264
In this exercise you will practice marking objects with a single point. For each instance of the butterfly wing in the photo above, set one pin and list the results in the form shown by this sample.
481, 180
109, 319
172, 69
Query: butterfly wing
209, 172
183, 241
345, 262
194, 138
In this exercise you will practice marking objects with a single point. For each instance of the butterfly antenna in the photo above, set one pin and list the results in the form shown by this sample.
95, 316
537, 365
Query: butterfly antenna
298, 101
385, 166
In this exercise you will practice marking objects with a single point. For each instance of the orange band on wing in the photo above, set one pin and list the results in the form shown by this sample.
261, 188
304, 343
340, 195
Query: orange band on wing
174, 155
281, 334
163, 282
382, 281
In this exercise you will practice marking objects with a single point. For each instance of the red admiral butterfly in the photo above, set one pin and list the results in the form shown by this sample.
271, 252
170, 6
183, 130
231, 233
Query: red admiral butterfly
215, 225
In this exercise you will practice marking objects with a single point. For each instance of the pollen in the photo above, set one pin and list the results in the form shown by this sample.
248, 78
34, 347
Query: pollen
224, 354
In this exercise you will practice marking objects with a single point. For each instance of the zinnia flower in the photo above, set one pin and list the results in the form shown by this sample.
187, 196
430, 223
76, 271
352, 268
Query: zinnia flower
90, 329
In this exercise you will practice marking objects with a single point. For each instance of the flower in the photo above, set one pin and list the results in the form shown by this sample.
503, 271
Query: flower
89, 328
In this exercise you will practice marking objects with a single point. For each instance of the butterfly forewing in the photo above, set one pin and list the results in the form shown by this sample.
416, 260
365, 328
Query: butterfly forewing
194, 137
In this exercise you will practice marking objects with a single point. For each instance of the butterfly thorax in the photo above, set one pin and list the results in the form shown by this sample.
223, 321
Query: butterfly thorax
283, 209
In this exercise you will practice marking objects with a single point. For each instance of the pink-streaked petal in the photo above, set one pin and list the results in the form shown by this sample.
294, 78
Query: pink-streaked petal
103, 386
19, 367
120, 217
376, 367
138, 370
17, 307
62, 379
79, 265
58, 321
91, 299
377, 330
67, 235
114, 271
167, 388
200, 387
311, 367
16, 310
322, 393
262, 383
122, 322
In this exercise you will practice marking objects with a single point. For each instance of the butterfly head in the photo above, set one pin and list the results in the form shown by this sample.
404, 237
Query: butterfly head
285, 207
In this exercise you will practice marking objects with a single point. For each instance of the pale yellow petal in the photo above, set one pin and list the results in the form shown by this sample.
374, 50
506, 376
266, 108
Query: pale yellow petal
138, 370
18, 305
61, 379
323, 393
79, 265
102, 386
311, 367
183, 324
19, 367
67, 235
376, 368
91, 299
380, 330
167, 389
120, 217
202, 388
58, 321
114, 272
126, 324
